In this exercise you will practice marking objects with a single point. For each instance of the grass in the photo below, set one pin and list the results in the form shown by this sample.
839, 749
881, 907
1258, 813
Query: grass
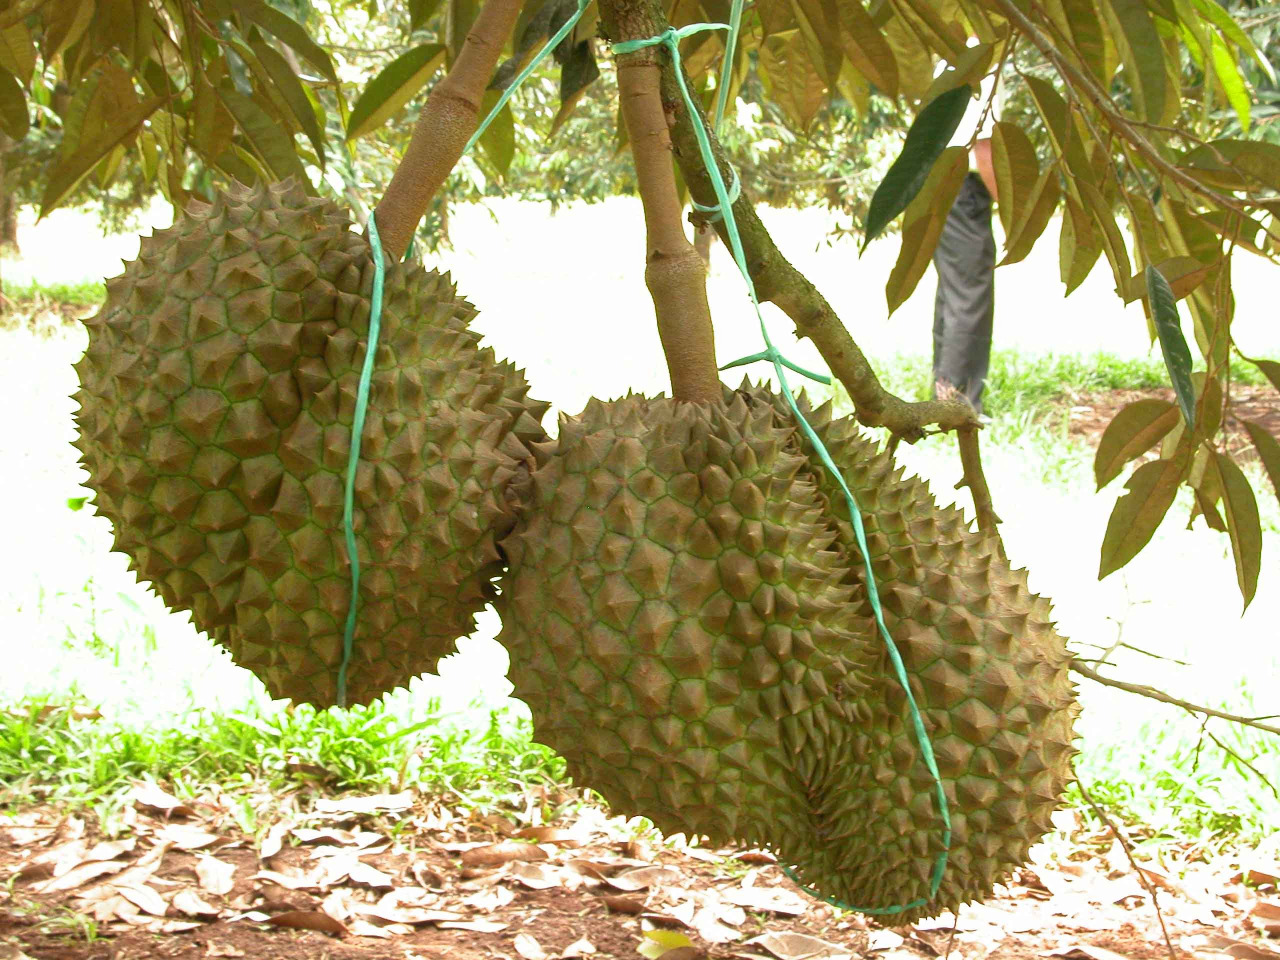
86, 293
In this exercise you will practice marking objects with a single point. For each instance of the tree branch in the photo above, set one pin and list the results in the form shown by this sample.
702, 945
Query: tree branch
976, 481
444, 126
674, 271
1142, 690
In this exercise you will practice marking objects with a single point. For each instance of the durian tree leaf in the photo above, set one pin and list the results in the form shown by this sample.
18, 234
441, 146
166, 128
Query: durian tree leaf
499, 139
289, 32
1227, 71
1032, 221
1220, 18
922, 224
397, 84
816, 20
577, 72
1017, 173
15, 119
866, 48
1079, 245
1206, 484
790, 79
273, 146
1061, 128
291, 91
1243, 525
1143, 53
926, 140
65, 23
18, 52
1103, 213
1183, 275
72, 169
1270, 369
1173, 345
1268, 451
1235, 164
459, 16
421, 12
1131, 433
212, 125
1136, 515
1081, 19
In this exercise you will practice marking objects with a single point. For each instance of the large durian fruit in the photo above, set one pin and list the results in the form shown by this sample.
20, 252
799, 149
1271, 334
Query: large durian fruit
687, 619
216, 405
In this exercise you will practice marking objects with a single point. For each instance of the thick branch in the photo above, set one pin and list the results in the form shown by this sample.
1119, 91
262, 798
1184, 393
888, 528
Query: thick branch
1142, 690
444, 126
675, 273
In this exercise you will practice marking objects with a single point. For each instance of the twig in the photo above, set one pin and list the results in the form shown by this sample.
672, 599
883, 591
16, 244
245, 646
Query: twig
1231, 753
1128, 852
1142, 690
955, 922
976, 481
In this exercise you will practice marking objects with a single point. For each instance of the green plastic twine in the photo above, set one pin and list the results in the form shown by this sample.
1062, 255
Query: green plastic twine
371, 349
353, 458
671, 39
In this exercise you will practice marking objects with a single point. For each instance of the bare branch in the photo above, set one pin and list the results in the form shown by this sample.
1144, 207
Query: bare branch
976, 481
1128, 852
1142, 690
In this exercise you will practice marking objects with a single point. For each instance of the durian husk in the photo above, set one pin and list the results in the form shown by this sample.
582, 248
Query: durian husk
681, 561
216, 407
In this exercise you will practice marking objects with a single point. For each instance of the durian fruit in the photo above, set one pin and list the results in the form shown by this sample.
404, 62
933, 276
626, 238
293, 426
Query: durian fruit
988, 671
676, 626
675, 618
216, 403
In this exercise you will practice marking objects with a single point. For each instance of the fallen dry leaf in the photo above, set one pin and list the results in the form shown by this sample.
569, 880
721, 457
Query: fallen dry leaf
557, 835
188, 838
798, 946
486, 901
294, 880
756, 857
663, 943
884, 940
193, 905
79, 876
767, 900
1085, 951
379, 803
535, 876
528, 947
363, 928
621, 904
110, 849
144, 898
581, 947
309, 920
496, 854
368, 876
475, 926
150, 796
273, 842
215, 876
641, 878
216, 949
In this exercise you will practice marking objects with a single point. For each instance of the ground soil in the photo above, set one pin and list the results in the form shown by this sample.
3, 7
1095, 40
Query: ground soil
405, 877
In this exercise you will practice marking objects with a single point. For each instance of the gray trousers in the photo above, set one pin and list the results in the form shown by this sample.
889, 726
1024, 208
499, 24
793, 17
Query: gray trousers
965, 303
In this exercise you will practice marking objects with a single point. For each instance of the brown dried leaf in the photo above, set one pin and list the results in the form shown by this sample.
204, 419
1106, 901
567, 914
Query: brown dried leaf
620, 904
581, 947
273, 842
379, 803
151, 797
535, 876
529, 948
798, 946
309, 920
216, 949
290, 881
642, 878
368, 876
551, 835
110, 849
193, 905
767, 900
756, 857
486, 901
496, 854
188, 838
144, 898
475, 926
1087, 952
215, 876
79, 876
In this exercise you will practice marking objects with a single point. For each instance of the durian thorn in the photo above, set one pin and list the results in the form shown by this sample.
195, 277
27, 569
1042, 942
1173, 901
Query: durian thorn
447, 120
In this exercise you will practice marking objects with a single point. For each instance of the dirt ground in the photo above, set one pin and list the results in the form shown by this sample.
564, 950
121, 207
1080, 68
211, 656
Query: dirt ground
406, 877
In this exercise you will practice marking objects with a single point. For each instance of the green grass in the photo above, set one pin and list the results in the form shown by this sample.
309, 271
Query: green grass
87, 293
48, 754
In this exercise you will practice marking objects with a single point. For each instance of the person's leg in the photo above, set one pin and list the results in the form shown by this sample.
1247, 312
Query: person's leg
965, 304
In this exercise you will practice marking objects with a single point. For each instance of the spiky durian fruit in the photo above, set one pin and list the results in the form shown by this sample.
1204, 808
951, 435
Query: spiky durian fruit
675, 619
216, 403
630, 526
988, 671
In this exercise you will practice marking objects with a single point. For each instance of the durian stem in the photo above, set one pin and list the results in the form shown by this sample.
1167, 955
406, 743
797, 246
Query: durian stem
447, 120
675, 273
976, 481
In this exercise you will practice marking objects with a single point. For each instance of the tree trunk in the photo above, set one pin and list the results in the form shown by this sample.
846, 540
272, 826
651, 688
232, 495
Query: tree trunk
675, 272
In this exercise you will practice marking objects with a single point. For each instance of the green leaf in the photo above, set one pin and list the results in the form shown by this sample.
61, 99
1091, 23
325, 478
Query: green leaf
1032, 221
1079, 246
499, 139
72, 169
1268, 451
928, 137
1243, 525
421, 11
76, 503
658, 942
397, 84
1183, 274
866, 47
577, 72
1221, 19
1017, 172
289, 32
922, 224
1235, 164
272, 145
1228, 74
65, 23
18, 52
291, 91
1177, 356
14, 118
1131, 433
1145, 56
1270, 369
1137, 514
